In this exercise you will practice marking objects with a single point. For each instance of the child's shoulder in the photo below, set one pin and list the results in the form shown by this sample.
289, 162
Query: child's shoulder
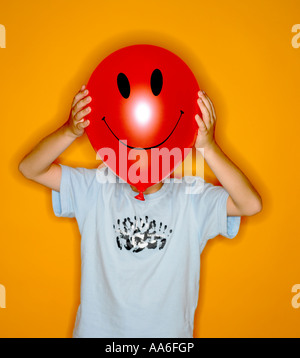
187, 185
78, 175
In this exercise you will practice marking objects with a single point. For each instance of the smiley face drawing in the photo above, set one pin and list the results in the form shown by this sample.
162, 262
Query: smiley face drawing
144, 98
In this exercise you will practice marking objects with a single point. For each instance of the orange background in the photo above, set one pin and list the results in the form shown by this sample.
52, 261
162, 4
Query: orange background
241, 54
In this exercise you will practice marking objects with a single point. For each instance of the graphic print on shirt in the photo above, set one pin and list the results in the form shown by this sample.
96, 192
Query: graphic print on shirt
140, 233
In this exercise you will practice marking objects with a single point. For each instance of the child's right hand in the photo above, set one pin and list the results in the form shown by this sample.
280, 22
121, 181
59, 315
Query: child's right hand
76, 122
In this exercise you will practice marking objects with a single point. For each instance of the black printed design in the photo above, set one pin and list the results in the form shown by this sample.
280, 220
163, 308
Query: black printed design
138, 234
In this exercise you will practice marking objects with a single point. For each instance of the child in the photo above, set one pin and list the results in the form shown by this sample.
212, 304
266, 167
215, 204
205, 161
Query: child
141, 259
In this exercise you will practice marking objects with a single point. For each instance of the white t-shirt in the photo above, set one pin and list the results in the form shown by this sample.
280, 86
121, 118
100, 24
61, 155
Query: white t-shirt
140, 260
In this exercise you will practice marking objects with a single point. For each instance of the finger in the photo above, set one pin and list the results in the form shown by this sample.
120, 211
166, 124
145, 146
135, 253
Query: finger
200, 123
84, 124
205, 113
80, 104
212, 106
80, 115
81, 94
201, 95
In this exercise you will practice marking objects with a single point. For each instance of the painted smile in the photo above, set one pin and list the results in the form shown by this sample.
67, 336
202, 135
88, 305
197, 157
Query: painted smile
140, 148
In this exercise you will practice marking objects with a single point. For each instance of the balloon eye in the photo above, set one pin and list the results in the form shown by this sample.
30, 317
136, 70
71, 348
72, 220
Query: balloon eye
123, 85
156, 82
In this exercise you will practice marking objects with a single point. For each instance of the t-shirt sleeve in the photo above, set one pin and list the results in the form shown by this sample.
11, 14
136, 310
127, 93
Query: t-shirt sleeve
209, 206
75, 186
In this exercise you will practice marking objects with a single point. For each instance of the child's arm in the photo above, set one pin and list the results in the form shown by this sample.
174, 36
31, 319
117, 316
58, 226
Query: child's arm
38, 164
243, 198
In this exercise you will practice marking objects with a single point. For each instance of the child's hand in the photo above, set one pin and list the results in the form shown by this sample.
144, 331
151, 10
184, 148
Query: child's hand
76, 122
206, 131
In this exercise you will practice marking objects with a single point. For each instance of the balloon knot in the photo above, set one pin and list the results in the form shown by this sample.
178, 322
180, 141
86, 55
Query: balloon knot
140, 196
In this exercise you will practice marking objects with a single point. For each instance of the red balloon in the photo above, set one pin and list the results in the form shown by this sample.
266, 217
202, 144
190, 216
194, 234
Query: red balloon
142, 119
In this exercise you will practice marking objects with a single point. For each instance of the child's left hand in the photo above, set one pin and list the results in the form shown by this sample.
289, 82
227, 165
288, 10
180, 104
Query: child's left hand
206, 131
